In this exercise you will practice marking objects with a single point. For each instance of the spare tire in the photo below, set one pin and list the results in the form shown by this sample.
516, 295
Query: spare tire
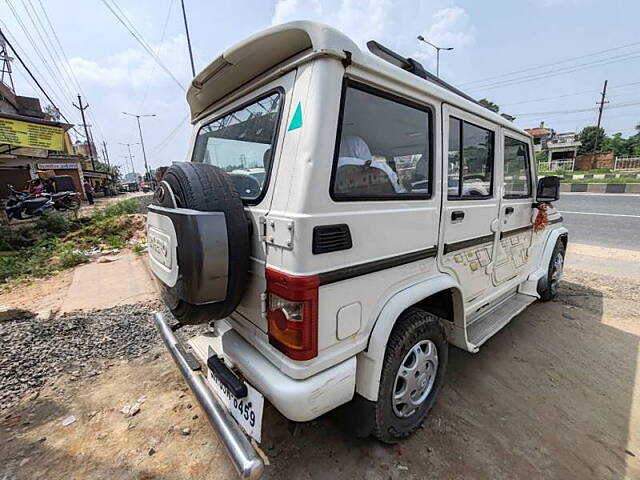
204, 188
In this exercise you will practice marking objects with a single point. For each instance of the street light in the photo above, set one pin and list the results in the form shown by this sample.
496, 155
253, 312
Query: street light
144, 154
421, 38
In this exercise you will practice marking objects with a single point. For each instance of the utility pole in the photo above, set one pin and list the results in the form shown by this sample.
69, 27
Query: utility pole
106, 154
133, 170
600, 109
186, 29
86, 130
131, 161
144, 154
6, 62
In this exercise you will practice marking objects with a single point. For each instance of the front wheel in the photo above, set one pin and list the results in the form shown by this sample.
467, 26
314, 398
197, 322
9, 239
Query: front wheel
412, 375
554, 273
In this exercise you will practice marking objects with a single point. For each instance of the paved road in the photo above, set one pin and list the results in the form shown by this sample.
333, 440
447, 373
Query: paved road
602, 220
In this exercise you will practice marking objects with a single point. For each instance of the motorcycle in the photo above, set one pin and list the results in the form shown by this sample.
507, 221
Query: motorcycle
22, 205
65, 201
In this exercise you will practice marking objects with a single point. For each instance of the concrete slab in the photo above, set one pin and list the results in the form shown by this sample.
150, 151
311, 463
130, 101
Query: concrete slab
97, 285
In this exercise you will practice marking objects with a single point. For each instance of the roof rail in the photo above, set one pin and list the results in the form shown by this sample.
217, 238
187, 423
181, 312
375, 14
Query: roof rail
413, 66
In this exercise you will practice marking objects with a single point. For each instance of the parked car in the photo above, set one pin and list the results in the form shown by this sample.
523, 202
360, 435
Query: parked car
131, 187
394, 219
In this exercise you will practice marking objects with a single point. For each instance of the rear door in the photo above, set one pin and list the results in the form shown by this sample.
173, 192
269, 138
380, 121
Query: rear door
516, 232
469, 222
245, 139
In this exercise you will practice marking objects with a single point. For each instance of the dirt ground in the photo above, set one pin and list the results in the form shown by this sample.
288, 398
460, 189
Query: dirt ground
555, 394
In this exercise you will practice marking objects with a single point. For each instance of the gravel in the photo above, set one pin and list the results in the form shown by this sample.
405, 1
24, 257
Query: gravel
34, 351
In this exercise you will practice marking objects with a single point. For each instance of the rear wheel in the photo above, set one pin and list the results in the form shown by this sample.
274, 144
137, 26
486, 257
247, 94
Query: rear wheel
412, 375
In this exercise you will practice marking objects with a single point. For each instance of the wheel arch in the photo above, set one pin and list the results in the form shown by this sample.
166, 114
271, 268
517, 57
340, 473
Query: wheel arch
429, 295
537, 278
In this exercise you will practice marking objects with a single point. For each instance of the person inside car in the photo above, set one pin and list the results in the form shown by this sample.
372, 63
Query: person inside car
355, 151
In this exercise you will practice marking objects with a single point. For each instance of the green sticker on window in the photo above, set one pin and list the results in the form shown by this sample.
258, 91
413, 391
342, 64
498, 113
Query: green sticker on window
296, 121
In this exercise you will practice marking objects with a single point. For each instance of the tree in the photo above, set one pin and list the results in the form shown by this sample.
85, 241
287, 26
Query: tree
634, 142
618, 145
489, 104
587, 137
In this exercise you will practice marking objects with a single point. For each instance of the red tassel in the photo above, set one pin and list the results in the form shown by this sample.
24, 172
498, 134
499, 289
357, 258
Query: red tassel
542, 219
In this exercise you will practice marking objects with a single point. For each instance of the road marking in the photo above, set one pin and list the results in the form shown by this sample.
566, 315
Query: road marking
603, 214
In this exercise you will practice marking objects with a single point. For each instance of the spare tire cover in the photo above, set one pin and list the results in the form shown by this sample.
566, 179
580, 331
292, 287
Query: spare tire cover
207, 188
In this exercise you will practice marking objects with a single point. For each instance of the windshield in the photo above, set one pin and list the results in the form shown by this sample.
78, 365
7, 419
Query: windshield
241, 143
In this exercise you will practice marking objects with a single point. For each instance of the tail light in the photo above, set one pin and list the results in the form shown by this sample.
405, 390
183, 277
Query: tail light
292, 314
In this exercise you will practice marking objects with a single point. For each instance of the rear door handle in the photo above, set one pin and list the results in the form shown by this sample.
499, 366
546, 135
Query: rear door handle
508, 210
457, 215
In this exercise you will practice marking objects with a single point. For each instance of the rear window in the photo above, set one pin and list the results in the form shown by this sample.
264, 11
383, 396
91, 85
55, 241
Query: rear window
242, 143
383, 149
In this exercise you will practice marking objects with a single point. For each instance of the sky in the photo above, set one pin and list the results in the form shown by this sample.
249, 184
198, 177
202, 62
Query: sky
540, 60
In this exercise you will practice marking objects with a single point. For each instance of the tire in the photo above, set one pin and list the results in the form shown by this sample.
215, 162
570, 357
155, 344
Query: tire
207, 188
415, 328
554, 272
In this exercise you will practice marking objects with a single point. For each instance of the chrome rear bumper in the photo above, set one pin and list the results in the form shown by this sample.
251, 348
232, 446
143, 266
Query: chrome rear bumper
244, 457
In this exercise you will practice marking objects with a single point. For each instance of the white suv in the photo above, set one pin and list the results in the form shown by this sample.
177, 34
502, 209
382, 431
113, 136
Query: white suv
393, 216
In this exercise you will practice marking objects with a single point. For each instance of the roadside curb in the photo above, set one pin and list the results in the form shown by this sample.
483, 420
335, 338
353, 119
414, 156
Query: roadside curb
601, 187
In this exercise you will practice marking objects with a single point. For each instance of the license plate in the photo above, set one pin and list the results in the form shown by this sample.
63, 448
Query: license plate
247, 411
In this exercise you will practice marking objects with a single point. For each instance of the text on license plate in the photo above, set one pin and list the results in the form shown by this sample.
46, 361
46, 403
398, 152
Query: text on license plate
247, 411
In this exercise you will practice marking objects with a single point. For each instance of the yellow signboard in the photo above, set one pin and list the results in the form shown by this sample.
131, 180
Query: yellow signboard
25, 134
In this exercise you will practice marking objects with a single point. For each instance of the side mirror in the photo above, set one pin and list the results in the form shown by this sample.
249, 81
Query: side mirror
548, 189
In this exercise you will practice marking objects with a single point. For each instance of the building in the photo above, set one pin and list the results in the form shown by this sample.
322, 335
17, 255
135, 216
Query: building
31, 140
563, 146
560, 148
541, 136
86, 149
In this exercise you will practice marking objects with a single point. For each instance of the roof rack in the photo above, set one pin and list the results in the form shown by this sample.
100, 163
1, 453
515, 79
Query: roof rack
413, 66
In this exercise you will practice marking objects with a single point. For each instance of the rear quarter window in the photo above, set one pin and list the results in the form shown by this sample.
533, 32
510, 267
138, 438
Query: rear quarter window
383, 149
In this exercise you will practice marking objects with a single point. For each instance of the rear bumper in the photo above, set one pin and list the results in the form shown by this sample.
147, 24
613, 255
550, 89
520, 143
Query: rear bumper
298, 400
244, 457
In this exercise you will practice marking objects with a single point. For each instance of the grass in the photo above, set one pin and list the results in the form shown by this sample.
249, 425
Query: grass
594, 171
601, 180
138, 248
57, 241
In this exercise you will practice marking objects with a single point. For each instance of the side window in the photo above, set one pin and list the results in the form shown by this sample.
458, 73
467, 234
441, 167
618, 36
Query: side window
470, 160
517, 174
384, 149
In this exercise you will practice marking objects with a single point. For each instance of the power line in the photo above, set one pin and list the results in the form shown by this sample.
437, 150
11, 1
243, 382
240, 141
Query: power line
53, 77
153, 69
34, 79
552, 73
45, 43
482, 80
579, 110
55, 57
64, 77
64, 60
548, 98
163, 143
33, 66
138, 37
